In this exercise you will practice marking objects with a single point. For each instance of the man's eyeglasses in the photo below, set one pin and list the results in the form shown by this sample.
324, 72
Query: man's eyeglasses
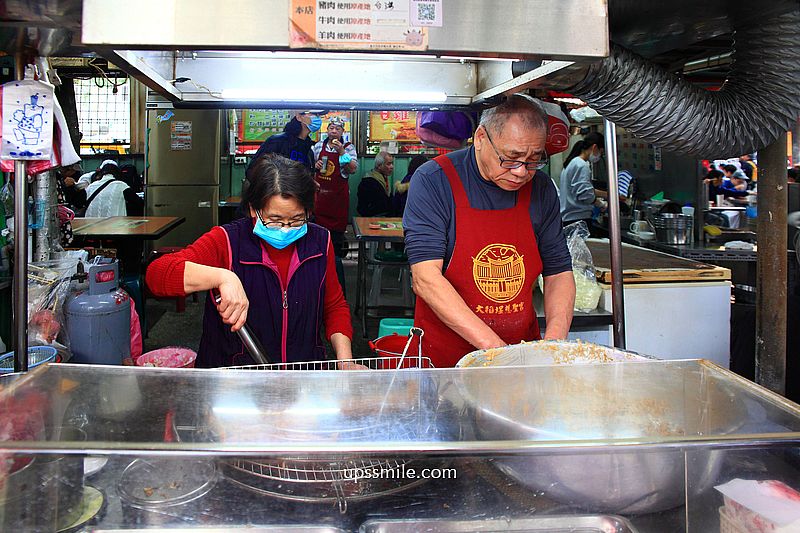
278, 224
513, 163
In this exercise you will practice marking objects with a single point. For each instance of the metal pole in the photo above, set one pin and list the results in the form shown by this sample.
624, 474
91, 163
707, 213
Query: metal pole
614, 236
771, 269
20, 248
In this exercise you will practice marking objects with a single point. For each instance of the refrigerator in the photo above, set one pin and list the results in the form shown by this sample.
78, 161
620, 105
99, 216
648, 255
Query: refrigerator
182, 168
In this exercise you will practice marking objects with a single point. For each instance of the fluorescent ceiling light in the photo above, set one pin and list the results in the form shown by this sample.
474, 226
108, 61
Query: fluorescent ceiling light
576, 101
327, 95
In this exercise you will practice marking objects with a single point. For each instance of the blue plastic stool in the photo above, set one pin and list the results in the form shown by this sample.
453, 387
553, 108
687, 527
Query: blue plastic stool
401, 326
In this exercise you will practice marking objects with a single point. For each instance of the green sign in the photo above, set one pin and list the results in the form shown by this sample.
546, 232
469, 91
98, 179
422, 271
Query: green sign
259, 125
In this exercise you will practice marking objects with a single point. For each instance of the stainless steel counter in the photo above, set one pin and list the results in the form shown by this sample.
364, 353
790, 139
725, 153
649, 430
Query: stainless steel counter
470, 435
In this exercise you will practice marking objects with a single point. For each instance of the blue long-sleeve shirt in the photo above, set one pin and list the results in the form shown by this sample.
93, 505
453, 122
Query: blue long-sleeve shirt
577, 191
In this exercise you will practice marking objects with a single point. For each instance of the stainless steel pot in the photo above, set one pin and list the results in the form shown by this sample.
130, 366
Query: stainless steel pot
673, 228
601, 403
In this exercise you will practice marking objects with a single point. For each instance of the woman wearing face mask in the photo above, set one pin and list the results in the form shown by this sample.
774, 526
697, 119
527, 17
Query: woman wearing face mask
273, 270
576, 190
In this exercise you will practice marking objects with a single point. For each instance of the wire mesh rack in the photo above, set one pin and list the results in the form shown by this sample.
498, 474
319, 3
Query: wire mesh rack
371, 363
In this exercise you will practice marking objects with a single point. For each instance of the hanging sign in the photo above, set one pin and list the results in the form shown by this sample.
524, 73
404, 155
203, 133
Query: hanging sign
353, 25
392, 126
258, 125
27, 120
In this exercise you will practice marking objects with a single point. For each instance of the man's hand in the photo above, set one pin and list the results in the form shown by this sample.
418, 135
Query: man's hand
318, 164
338, 146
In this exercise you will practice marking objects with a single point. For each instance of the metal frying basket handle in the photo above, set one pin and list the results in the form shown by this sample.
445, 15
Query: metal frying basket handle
249, 340
419, 332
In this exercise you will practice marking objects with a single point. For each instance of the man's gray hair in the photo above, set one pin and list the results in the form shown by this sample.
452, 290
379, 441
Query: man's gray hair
521, 105
380, 159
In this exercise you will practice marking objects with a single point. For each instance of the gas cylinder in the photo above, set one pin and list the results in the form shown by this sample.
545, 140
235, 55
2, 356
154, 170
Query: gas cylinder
98, 317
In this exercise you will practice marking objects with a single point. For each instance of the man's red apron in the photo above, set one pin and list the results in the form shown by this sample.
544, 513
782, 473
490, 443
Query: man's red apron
332, 206
494, 266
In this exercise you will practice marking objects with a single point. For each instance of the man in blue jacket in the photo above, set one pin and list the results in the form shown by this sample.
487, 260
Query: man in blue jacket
294, 143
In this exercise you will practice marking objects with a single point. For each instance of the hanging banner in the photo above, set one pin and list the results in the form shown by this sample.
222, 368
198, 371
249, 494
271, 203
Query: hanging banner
392, 126
258, 125
27, 120
376, 25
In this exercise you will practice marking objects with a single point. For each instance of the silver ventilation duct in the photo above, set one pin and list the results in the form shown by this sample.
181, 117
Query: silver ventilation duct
759, 100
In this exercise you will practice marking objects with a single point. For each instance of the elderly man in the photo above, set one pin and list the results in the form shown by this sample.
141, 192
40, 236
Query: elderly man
375, 188
293, 143
335, 162
480, 225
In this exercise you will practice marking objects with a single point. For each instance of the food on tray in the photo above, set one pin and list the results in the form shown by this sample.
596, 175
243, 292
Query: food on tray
148, 491
761, 506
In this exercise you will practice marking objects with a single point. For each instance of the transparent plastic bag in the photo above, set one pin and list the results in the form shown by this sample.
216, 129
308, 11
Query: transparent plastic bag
587, 291
48, 287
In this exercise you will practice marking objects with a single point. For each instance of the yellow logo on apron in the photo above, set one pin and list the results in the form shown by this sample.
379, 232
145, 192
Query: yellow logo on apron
499, 272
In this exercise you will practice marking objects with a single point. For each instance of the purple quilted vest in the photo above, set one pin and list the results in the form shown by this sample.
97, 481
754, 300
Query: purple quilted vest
290, 332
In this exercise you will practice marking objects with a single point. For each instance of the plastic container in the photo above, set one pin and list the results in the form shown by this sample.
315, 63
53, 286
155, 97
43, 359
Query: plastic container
37, 355
392, 345
401, 326
169, 357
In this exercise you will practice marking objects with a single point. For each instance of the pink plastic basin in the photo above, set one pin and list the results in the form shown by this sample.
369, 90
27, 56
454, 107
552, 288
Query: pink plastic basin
169, 357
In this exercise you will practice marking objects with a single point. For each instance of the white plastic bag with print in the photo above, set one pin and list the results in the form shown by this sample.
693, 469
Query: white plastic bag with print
27, 120
587, 291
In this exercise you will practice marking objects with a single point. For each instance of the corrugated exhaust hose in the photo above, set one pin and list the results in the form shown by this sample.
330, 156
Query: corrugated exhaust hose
759, 100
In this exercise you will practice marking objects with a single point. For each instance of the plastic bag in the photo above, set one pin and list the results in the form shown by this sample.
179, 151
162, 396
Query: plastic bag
48, 287
587, 291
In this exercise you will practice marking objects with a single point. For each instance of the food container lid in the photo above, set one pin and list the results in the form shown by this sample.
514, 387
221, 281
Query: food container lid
155, 483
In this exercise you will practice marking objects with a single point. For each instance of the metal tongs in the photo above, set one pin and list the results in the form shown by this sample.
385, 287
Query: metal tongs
249, 340
415, 331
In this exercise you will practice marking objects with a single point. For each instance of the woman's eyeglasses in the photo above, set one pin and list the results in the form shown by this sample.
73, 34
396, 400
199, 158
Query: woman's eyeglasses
513, 163
278, 224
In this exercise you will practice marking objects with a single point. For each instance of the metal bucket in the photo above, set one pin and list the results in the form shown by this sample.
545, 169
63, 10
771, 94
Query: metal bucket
673, 228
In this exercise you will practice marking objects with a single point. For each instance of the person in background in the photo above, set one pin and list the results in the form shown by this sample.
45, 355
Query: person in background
109, 196
374, 189
749, 167
401, 190
577, 194
735, 179
335, 162
714, 179
294, 142
273, 270
74, 193
792, 175
480, 225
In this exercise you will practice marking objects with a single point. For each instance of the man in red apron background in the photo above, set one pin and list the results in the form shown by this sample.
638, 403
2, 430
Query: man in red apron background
480, 225
335, 161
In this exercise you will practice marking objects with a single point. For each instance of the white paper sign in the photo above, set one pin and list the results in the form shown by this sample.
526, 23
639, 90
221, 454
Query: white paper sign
27, 120
426, 13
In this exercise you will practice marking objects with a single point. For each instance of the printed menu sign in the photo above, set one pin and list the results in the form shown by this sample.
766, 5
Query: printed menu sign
180, 135
375, 25
258, 125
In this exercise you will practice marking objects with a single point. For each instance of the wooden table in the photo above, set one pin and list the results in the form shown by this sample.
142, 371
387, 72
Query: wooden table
145, 228
384, 229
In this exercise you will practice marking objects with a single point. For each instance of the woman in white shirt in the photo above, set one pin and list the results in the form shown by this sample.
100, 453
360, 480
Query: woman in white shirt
576, 191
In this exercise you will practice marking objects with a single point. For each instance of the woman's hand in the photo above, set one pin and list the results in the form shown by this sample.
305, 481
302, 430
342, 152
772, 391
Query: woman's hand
233, 303
347, 364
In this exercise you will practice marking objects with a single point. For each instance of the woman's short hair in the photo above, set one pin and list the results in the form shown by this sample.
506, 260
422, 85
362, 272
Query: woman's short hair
273, 175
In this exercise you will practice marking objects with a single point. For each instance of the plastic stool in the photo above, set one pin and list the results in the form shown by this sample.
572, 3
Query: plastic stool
377, 296
401, 326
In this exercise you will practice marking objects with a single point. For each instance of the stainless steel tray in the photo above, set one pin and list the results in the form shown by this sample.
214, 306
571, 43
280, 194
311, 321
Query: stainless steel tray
548, 524
227, 529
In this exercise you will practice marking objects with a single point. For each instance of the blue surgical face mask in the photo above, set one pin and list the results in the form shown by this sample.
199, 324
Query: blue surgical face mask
278, 238
315, 124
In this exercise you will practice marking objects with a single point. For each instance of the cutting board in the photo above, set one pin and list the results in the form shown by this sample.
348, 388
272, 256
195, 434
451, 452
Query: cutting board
640, 265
